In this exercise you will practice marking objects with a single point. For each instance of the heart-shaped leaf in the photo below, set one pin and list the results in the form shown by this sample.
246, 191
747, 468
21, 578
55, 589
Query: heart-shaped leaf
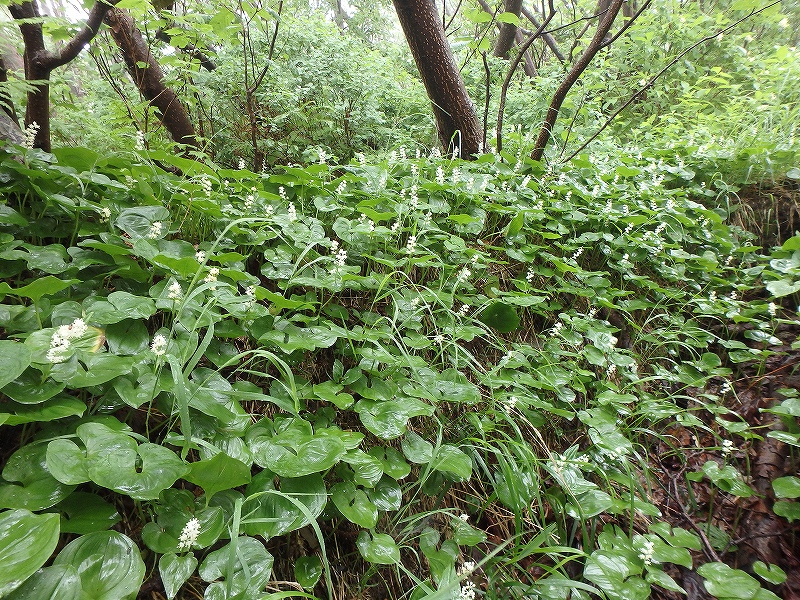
34, 488
220, 472
378, 548
14, 359
174, 571
354, 504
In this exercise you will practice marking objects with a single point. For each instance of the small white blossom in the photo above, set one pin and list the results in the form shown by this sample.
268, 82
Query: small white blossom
189, 535
200, 256
467, 591
463, 275
159, 345
105, 214
156, 229
211, 277
341, 257
395, 226
411, 244
414, 198
30, 135
464, 310
727, 447
530, 274
438, 338
249, 202
648, 549
175, 292
282, 193
291, 212
725, 388
242, 164
415, 302
772, 309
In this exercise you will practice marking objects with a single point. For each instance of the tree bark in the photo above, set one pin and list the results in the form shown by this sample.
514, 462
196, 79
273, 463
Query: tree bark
7, 63
149, 79
606, 21
39, 62
508, 31
547, 37
456, 119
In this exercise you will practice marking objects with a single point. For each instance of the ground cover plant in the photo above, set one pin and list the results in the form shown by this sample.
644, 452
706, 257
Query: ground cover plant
415, 377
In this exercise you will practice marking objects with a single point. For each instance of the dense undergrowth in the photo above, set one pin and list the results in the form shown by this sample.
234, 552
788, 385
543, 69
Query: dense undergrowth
417, 377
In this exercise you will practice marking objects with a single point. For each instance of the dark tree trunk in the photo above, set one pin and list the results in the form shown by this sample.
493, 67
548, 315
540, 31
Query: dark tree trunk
548, 37
6, 65
508, 31
456, 119
149, 78
527, 65
606, 21
39, 62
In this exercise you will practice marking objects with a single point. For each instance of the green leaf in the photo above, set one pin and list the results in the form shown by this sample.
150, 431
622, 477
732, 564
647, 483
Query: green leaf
658, 577
307, 571
783, 287
59, 582
770, 573
787, 487
354, 504
244, 564
508, 17
108, 563
14, 359
45, 286
33, 487
272, 512
500, 316
450, 459
82, 512
387, 419
378, 548
787, 509
26, 542
416, 449
174, 571
465, 534
724, 582
221, 472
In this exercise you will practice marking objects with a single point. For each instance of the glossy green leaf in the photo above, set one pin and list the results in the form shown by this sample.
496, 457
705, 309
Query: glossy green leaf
724, 582
14, 359
500, 316
378, 548
416, 449
770, 573
44, 286
220, 472
82, 512
58, 582
786, 487
108, 564
174, 571
450, 459
354, 504
28, 484
307, 571
26, 542
275, 513
244, 565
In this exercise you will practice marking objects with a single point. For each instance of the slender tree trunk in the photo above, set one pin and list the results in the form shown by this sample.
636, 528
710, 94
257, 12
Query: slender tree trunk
7, 63
149, 78
548, 37
508, 31
527, 65
39, 62
456, 119
606, 21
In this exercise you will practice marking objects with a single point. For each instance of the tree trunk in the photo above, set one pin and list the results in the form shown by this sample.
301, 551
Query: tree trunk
606, 21
149, 78
508, 31
548, 37
39, 62
456, 119
9, 60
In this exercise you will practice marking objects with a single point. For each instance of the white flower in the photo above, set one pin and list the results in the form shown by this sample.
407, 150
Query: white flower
139, 144
175, 291
464, 310
291, 212
206, 184
200, 256
395, 226
772, 309
530, 274
463, 275
411, 244
341, 257
438, 338
250, 290
249, 202
577, 254
648, 549
105, 214
362, 160
557, 328
323, 156
189, 535
159, 345
403, 155
211, 277
467, 568
467, 591
334, 247
156, 229
511, 402
415, 302
727, 447
30, 135
340, 189
414, 198
242, 164
282, 193
725, 388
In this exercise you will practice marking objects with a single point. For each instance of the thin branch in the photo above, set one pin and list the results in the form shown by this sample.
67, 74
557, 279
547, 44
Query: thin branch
549, 39
628, 22
84, 36
261, 75
512, 67
574, 73
653, 79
